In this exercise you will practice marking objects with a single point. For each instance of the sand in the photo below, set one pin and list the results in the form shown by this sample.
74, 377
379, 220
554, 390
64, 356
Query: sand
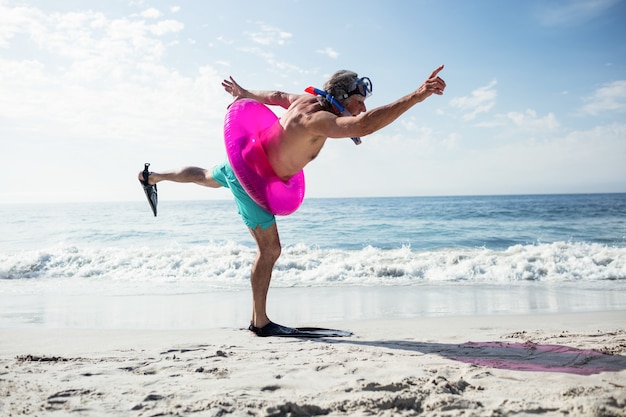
493, 365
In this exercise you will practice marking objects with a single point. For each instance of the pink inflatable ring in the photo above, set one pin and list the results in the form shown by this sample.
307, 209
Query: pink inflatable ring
247, 128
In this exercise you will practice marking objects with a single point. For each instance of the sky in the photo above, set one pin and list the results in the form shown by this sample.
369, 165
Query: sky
535, 100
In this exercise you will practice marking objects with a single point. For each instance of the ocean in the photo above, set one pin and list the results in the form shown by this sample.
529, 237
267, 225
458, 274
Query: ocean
400, 246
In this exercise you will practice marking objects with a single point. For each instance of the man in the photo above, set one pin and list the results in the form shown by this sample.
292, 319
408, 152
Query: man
307, 123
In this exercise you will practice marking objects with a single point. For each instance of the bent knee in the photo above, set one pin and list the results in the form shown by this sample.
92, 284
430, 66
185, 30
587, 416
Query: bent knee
270, 253
210, 182
206, 178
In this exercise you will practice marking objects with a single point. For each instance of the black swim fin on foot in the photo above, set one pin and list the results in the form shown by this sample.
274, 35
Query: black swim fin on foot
150, 190
276, 330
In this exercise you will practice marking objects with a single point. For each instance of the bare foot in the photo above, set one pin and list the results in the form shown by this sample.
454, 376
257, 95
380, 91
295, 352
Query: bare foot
152, 177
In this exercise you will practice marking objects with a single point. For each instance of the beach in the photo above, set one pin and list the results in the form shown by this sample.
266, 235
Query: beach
459, 306
528, 364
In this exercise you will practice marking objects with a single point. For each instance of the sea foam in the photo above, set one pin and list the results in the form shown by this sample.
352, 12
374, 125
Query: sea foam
228, 265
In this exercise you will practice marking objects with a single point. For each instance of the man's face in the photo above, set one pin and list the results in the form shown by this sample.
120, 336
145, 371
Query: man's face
356, 104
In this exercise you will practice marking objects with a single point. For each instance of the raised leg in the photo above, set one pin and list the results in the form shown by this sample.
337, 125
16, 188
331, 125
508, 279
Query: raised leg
194, 175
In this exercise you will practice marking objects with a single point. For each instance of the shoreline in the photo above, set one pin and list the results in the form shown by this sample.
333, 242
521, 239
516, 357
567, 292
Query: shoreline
199, 307
548, 364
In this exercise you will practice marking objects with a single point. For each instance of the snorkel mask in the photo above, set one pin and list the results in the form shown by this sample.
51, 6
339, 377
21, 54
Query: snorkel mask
362, 86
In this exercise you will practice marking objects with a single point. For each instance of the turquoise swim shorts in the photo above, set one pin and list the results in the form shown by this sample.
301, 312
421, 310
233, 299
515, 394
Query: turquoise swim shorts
252, 214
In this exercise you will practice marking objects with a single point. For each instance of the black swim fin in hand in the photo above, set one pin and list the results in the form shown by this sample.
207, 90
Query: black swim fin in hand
276, 330
150, 190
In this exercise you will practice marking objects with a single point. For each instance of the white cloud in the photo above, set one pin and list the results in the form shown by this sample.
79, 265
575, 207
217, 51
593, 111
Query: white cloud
580, 161
270, 35
410, 124
225, 41
608, 98
572, 12
529, 120
20, 20
329, 52
283, 66
151, 13
261, 53
166, 26
451, 142
481, 100
95, 77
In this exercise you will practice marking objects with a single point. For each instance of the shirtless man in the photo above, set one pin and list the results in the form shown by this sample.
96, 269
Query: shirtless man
307, 123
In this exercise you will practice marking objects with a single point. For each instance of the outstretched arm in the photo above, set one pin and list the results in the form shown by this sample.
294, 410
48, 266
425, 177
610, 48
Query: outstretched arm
269, 97
375, 119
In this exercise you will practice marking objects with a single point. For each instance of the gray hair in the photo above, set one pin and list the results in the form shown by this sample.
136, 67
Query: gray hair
338, 85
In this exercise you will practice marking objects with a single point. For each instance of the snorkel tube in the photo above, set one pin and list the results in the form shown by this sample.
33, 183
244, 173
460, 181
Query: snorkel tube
334, 102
